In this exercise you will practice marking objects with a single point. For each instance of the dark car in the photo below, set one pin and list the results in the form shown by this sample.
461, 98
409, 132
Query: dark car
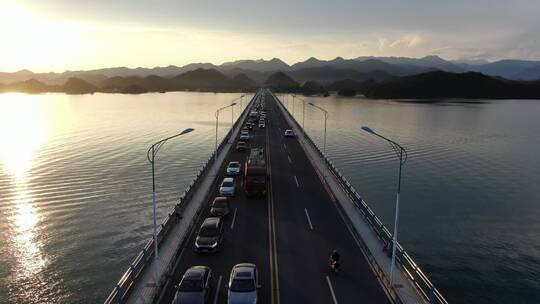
241, 146
194, 287
210, 235
220, 206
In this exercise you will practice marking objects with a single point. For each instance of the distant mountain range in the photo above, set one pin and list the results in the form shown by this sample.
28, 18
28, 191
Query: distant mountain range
439, 84
373, 76
324, 71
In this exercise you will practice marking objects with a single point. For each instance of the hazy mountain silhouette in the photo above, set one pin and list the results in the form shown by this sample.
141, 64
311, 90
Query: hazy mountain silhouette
504, 68
358, 86
281, 82
364, 66
78, 86
31, 86
326, 74
260, 65
426, 62
451, 85
532, 73
337, 69
312, 88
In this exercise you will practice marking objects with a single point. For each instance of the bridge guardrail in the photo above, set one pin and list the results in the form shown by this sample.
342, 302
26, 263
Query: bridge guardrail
124, 286
411, 270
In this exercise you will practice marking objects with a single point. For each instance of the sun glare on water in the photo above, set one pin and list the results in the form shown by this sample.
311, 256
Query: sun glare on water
22, 132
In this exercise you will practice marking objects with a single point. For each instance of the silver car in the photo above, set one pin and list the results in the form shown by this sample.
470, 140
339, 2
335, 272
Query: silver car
227, 187
233, 168
244, 135
243, 284
194, 286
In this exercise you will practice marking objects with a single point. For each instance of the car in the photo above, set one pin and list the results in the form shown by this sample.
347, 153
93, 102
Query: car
243, 284
241, 146
245, 129
210, 235
227, 187
195, 286
244, 136
289, 133
262, 124
233, 168
220, 206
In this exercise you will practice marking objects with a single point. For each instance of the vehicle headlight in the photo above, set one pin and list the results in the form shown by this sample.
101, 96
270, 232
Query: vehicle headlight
214, 245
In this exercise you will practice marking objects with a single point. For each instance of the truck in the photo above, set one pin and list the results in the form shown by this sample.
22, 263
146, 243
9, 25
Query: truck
255, 173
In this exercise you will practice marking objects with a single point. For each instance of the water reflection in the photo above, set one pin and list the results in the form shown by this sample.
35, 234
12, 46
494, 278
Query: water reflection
25, 243
22, 132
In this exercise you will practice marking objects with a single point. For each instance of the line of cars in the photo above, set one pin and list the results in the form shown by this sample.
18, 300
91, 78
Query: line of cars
196, 283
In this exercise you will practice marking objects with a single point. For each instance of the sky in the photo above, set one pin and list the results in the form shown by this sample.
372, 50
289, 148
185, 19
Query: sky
58, 35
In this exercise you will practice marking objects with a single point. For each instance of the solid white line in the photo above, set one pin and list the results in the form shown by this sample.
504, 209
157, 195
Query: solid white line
296, 180
234, 218
308, 219
218, 288
290, 161
331, 290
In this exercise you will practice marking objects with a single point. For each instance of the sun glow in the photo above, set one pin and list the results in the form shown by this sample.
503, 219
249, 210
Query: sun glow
22, 132
31, 40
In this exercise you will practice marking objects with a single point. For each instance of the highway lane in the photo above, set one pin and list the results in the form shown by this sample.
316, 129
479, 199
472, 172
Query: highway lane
298, 221
309, 227
247, 241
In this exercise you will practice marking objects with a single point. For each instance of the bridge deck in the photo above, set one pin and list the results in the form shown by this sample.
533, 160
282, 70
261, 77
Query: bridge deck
289, 235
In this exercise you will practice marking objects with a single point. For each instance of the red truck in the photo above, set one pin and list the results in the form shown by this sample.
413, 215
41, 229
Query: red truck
255, 173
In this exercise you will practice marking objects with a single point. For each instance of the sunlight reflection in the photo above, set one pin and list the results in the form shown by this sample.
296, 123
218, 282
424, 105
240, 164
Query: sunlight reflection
22, 131
26, 245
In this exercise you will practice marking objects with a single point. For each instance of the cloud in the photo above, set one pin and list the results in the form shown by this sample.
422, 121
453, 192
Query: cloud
407, 41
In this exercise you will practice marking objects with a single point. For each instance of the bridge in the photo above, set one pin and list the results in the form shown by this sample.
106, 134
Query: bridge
309, 210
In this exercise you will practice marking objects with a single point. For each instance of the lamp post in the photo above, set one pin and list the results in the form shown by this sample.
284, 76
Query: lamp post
217, 122
150, 155
303, 113
402, 154
293, 106
325, 119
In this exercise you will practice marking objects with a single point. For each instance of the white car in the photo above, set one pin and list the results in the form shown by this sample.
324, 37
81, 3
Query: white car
262, 124
244, 136
233, 168
227, 187
289, 133
243, 284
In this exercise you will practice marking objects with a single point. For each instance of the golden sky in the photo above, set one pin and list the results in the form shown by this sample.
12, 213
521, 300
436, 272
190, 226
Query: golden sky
57, 35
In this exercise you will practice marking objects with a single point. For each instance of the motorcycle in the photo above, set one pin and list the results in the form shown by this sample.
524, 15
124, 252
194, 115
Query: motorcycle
334, 266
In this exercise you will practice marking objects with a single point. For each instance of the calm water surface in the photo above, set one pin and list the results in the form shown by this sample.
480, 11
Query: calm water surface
75, 185
75, 203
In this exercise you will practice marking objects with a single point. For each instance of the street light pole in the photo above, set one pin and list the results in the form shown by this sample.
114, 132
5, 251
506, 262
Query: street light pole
402, 154
325, 119
217, 122
151, 155
303, 114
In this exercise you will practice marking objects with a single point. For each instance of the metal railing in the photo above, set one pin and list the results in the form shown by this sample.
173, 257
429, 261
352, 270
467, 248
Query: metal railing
409, 268
123, 288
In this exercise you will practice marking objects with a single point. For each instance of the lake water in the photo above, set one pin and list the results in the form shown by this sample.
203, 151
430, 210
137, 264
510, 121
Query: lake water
75, 185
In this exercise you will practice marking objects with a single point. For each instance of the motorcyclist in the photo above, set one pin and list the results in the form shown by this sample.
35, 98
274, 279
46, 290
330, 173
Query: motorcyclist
335, 256
334, 261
